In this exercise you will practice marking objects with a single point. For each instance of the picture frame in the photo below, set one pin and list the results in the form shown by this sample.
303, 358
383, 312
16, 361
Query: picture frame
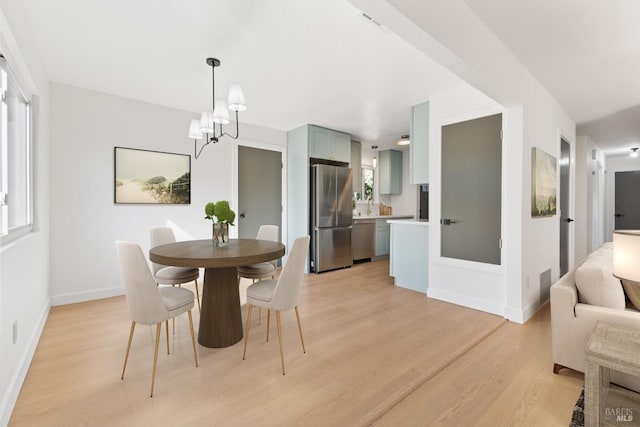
147, 177
543, 183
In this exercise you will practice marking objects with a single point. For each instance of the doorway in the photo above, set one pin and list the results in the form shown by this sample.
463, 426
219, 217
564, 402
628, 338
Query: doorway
627, 200
472, 190
259, 190
565, 221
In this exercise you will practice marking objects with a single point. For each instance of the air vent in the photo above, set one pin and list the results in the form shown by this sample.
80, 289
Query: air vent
370, 19
374, 22
545, 286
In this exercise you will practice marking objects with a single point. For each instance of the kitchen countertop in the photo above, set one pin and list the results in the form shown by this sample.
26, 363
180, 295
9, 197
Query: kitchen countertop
409, 221
383, 217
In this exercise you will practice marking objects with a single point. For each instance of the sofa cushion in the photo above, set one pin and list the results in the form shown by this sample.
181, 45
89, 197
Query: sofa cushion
632, 290
597, 285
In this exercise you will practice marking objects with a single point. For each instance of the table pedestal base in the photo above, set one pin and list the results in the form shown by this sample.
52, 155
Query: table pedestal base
221, 316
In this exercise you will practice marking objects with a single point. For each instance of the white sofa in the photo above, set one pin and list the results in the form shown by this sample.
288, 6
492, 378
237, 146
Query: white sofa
573, 319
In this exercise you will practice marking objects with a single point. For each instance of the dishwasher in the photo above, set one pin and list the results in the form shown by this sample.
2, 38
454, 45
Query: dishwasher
363, 239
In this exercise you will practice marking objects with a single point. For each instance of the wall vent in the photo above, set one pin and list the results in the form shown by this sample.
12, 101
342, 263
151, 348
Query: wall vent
545, 286
374, 22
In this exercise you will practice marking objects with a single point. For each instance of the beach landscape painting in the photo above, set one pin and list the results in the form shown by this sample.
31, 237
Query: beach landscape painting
151, 177
543, 184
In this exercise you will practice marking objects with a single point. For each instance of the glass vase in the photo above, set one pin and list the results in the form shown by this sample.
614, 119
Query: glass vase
220, 234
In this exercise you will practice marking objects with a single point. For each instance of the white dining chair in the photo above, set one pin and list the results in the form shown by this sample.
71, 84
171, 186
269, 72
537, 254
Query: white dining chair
261, 270
171, 275
280, 295
149, 304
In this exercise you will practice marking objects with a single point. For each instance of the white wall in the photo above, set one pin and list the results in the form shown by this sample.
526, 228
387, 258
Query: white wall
85, 222
24, 264
590, 204
544, 123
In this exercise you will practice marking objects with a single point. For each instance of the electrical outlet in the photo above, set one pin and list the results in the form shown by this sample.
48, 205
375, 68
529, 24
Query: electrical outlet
15, 332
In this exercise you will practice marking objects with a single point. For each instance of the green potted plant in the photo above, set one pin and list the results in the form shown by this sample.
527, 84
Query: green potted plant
222, 216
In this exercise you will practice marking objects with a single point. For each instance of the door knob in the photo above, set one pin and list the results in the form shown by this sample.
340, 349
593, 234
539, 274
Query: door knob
569, 220
447, 221
619, 215
242, 214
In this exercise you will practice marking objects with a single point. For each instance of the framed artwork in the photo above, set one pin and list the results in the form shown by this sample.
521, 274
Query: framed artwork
543, 183
151, 177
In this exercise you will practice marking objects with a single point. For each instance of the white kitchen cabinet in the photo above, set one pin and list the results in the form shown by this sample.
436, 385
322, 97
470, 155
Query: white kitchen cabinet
390, 172
329, 144
383, 231
409, 257
419, 148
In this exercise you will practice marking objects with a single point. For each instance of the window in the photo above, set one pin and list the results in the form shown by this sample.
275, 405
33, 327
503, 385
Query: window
367, 183
16, 207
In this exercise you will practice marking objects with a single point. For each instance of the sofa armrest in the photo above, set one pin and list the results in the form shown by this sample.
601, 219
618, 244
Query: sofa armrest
564, 297
593, 313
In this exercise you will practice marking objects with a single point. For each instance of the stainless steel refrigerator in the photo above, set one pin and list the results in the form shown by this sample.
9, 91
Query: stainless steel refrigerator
331, 217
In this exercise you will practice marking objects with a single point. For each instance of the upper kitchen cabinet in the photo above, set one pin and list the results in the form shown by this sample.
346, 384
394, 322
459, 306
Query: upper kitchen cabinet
390, 172
356, 166
329, 144
419, 148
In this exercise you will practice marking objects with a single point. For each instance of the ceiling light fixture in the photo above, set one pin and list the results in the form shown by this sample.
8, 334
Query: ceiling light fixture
404, 140
634, 152
206, 126
374, 161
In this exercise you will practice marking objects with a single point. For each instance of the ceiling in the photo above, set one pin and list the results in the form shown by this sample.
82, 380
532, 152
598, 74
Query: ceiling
585, 52
298, 61
322, 62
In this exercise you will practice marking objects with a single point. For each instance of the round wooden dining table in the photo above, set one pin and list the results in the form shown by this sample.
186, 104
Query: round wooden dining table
220, 315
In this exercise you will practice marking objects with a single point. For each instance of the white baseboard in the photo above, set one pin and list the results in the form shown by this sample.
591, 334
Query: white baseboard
465, 301
517, 316
521, 316
86, 296
15, 384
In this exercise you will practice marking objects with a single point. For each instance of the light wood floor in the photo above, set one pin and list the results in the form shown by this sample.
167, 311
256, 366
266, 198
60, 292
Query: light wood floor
376, 355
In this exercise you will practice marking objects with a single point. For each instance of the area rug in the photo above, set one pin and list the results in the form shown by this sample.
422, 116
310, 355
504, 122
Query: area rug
577, 419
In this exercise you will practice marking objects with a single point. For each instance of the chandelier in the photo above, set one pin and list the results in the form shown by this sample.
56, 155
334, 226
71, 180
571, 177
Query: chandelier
206, 126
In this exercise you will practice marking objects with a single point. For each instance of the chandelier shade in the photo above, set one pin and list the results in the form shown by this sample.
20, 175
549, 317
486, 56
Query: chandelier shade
221, 113
206, 122
236, 98
195, 131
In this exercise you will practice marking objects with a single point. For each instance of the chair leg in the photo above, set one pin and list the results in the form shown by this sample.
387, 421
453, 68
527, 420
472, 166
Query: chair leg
259, 308
280, 339
197, 295
193, 338
268, 321
173, 320
155, 357
246, 335
167, 328
126, 357
300, 329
